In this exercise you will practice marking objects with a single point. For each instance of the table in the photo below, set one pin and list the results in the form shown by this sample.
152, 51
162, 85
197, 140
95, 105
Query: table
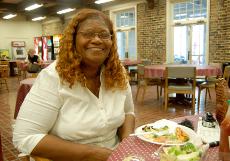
153, 71
130, 62
24, 65
24, 88
134, 146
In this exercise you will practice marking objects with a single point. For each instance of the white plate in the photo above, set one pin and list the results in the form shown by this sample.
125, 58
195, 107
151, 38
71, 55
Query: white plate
193, 137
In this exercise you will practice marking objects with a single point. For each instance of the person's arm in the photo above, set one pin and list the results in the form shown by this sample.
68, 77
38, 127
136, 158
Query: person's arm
58, 149
127, 127
129, 123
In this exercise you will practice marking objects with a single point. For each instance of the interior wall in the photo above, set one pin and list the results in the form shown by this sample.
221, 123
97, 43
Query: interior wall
219, 36
18, 31
151, 31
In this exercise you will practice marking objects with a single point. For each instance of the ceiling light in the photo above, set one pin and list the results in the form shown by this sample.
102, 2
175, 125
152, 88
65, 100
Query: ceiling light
65, 10
9, 16
38, 18
102, 1
32, 7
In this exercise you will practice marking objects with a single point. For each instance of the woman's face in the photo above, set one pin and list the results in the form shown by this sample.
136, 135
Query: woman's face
93, 41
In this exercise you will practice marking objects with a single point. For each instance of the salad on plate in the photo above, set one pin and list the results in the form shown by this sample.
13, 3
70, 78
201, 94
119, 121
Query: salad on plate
186, 152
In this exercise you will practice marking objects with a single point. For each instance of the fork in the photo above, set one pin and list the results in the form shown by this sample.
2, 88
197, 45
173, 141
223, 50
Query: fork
157, 152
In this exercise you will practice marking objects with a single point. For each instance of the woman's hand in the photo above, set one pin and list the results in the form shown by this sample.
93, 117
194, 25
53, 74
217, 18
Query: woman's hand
100, 154
63, 150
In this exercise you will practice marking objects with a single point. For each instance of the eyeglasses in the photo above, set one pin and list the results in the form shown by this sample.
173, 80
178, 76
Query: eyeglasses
101, 35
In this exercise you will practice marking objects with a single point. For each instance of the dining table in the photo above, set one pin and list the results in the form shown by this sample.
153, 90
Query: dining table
133, 146
158, 70
24, 88
130, 62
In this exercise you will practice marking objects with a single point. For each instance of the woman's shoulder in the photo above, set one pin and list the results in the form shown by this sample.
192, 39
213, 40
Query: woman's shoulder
50, 71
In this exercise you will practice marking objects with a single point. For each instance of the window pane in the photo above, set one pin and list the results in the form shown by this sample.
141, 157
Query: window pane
131, 47
190, 9
121, 44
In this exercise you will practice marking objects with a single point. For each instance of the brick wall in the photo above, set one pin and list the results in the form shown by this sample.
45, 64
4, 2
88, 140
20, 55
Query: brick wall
219, 31
151, 32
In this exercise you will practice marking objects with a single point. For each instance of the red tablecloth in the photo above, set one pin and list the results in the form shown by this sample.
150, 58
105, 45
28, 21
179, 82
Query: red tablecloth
153, 71
130, 62
24, 88
135, 147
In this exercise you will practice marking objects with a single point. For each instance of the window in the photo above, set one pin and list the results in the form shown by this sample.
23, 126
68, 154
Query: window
190, 9
126, 33
188, 30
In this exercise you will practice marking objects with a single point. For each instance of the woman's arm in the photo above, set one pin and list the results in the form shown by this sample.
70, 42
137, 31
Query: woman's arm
127, 127
129, 123
58, 149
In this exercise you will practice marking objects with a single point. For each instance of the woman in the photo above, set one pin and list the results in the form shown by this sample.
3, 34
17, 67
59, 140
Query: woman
80, 107
34, 62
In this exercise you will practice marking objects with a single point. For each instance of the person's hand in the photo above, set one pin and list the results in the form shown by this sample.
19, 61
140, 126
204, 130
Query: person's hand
100, 154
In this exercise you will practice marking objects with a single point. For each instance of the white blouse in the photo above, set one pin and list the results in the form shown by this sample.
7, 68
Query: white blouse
72, 114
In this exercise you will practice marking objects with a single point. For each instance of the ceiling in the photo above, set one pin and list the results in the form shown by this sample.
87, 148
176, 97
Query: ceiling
49, 8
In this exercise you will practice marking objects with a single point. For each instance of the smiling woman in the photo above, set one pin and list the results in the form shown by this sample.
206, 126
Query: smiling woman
85, 106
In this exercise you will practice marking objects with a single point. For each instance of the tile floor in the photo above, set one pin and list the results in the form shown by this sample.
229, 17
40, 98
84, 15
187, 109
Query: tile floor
148, 111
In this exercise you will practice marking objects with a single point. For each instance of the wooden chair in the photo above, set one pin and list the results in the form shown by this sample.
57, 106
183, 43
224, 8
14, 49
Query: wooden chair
4, 62
145, 82
207, 83
211, 83
21, 74
221, 99
4, 74
187, 73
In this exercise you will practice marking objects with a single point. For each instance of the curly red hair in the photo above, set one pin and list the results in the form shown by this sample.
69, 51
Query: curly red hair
68, 63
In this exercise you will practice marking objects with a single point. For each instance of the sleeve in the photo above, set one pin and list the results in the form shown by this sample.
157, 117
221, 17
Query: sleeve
129, 106
38, 112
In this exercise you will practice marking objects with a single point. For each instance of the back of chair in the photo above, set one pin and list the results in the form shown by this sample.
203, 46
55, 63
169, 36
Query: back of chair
226, 73
180, 72
221, 99
4, 71
4, 63
140, 71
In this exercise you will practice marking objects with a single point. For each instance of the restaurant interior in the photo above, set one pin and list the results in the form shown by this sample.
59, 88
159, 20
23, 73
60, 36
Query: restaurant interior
176, 52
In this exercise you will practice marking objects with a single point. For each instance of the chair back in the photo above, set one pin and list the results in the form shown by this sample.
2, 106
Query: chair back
180, 72
4, 71
221, 99
226, 74
185, 87
140, 71
4, 63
